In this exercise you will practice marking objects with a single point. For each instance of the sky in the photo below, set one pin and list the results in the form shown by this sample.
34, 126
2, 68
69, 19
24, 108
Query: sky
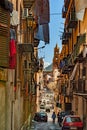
55, 30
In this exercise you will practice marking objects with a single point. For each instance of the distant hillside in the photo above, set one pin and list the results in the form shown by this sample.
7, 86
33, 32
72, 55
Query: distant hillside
48, 68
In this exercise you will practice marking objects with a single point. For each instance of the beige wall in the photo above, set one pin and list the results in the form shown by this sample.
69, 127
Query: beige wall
2, 106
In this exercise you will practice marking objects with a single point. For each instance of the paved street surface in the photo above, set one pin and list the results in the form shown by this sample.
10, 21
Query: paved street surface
46, 126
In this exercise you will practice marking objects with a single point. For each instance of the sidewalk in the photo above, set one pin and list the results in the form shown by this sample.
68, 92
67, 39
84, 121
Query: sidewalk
33, 125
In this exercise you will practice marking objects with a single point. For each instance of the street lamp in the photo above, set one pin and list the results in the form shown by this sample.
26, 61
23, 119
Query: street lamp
35, 48
41, 47
30, 29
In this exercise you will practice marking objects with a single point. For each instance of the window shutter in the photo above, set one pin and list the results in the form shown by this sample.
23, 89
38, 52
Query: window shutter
4, 37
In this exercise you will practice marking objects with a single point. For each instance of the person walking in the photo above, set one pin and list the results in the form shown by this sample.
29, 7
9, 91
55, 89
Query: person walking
58, 114
53, 117
59, 118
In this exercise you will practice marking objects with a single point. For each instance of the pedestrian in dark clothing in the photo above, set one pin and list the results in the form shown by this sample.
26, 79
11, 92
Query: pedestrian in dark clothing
53, 117
59, 118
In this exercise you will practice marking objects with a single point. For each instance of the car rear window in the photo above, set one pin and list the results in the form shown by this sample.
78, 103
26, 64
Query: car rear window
42, 107
43, 114
73, 119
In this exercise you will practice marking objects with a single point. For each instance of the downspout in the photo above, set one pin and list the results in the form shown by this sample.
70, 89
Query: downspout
12, 107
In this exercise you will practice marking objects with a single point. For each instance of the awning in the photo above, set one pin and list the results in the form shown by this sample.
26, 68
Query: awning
74, 72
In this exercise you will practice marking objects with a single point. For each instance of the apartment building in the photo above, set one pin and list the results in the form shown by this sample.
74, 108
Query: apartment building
19, 63
74, 59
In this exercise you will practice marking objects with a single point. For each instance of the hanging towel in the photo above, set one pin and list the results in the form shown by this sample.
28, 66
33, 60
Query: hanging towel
12, 62
12, 47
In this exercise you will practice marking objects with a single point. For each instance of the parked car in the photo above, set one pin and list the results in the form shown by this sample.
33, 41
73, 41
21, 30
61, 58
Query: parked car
62, 114
41, 117
42, 107
47, 108
72, 122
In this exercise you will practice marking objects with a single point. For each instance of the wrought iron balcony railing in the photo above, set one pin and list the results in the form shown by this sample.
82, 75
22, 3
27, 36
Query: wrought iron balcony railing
69, 60
68, 65
72, 21
66, 3
36, 42
64, 12
80, 41
63, 90
81, 86
67, 33
28, 3
65, 36
65, 41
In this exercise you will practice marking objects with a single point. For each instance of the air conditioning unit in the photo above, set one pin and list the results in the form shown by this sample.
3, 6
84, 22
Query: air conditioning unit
25, 13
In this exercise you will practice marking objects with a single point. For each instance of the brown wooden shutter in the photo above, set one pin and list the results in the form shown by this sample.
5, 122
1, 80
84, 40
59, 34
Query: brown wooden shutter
4, 37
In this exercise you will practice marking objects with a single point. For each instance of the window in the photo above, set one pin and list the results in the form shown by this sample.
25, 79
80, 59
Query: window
68, 119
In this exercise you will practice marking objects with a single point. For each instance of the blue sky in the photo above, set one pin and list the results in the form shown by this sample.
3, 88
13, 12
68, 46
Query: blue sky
55, 29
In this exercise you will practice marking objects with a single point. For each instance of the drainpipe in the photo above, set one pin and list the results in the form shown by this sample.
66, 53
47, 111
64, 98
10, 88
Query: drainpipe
12, 106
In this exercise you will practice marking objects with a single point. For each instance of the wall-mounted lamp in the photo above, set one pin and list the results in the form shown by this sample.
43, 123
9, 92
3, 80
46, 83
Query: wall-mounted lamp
30, 29
30, 20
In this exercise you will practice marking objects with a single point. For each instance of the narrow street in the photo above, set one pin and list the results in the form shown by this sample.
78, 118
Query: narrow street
46, 126
43, 64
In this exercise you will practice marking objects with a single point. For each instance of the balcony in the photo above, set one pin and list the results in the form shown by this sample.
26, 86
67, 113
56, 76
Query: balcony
77, 53
68, 65
69, 61
25, 48
66, 34
66, 3
66, 70
64, 12
72, 21
28, 3
65, 41
36, 42
36, 65
71, 88
63, 89
81, 86
65, 8
74, 85
67, 90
